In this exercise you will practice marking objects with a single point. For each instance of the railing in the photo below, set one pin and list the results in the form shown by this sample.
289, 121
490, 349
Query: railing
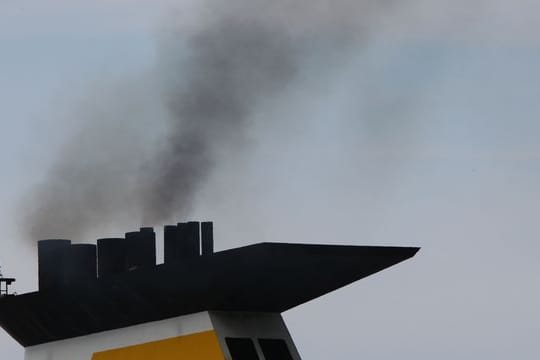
4, 286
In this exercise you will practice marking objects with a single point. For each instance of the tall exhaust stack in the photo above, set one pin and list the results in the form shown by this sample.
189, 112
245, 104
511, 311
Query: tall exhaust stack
182, 242
207, 238
141, 249
52, 258
112, 256
81, 263
192, 239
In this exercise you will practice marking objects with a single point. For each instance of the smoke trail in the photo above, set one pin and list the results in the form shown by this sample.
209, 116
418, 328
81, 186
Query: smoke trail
93, 182
244, 53
233, 66
216, 72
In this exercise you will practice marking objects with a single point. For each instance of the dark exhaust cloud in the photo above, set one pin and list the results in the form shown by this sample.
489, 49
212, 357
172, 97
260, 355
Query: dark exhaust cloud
231, 67
214, 70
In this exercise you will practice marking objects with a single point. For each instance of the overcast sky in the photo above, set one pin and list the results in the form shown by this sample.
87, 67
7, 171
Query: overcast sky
424, 132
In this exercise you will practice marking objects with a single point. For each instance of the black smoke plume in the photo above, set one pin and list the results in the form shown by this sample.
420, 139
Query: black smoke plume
232, 67
211, 75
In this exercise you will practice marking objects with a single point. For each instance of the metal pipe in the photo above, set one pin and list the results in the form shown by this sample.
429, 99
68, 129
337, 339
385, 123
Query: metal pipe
52, 255
207, 238
111, 256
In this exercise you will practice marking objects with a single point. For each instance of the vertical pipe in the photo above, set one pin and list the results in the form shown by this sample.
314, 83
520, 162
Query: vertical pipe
133, 250
170, 244
194, 238
52, 256
81, 263
149, 244
207, 238
181, 237
183, 248
111, 256
182, 241
190, 239
140, 248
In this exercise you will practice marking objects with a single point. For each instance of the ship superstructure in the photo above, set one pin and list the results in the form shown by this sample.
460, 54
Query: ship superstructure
111, 300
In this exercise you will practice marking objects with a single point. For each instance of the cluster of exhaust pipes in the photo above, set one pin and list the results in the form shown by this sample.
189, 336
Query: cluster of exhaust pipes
61, 263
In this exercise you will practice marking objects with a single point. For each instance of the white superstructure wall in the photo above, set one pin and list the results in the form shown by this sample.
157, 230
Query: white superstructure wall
83, 348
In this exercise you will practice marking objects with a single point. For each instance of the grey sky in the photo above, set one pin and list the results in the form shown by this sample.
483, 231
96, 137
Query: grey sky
426, 134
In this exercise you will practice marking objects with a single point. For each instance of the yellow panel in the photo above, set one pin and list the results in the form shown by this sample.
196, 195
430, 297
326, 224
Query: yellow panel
199, 346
